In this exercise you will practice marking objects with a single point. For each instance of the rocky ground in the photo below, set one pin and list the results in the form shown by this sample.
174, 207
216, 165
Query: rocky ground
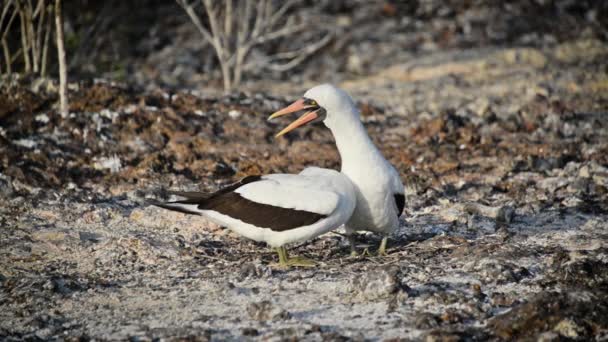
503, 150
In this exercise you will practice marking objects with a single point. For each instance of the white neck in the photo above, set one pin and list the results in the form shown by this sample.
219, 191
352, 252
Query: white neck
354, 144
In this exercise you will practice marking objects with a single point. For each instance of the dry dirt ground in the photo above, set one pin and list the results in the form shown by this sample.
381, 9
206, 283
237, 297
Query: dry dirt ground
504, 153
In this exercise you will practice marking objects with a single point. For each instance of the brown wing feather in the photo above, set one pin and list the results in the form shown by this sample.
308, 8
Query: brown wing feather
258, 214
230, 203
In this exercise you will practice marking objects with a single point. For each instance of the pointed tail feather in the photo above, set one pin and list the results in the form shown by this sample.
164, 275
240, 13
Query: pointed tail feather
191, 197
187, 206
193, 200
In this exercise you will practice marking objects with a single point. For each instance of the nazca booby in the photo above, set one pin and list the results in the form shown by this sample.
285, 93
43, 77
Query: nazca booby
380, 196
277, 208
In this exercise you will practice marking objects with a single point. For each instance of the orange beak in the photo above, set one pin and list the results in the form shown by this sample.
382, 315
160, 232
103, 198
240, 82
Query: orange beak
295, 107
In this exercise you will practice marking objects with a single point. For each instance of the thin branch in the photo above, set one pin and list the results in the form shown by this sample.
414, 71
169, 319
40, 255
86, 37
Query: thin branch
7, 56
29, 27
228, 22
5, 11
10, 23
39, 35
17, 55
24, 40
243, 30
285, 31
196, 20
302, 54
45, 46
259, 18
220, 50
281, 12
267, 14
234, 31
63, 73
39, 7
215, 31
5, 49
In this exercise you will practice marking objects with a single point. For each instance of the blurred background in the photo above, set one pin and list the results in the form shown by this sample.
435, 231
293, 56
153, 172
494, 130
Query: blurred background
154, 44
438, 79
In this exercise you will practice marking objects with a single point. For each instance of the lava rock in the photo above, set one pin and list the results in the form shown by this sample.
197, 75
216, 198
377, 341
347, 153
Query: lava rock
378, 283
572, 313
265, 311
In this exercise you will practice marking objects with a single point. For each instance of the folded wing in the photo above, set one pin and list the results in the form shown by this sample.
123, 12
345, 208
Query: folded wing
279, 202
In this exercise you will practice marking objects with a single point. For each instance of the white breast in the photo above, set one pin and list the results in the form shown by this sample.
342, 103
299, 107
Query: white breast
375, 187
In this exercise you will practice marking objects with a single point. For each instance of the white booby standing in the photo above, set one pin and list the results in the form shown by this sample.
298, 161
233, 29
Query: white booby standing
379, 191
278, 208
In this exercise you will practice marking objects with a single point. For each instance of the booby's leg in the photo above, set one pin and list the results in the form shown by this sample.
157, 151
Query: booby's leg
282, 256
350, 235
382, 249
301, 261
352, 243
366, 252
285, 261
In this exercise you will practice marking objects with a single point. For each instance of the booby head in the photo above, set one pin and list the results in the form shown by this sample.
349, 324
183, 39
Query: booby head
324, 102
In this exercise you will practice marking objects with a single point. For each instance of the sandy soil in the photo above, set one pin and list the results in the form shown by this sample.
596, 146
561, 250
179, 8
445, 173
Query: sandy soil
504, 152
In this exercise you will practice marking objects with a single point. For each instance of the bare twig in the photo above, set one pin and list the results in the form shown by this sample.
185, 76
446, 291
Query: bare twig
259, 18
220, 49
5, 49
5, 8
195, 19
285, 31
212, 38
63, 91
29, 15
10, 23
256, 23
274, 19
301, 54
45, 46
40, 12
24, 41
228, 20
33, 31
16, 55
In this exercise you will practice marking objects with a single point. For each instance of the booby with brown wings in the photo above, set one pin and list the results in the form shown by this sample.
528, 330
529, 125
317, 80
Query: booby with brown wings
278, 209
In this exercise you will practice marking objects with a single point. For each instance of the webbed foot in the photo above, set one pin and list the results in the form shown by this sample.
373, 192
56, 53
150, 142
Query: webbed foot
301, 262
382, 248
286, 262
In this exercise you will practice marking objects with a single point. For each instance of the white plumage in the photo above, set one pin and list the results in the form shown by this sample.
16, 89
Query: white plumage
378, 187
324, 192
319, 192
282, 208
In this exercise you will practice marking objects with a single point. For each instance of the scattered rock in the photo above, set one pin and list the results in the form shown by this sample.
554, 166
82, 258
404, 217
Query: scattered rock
427, 321
378, 283
265, 311
498, 271
580, 270
569, 313
254, 270
251, 332
90, 237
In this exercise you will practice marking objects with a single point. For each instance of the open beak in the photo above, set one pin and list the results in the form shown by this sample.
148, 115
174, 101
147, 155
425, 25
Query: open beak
302, 120
295, 107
